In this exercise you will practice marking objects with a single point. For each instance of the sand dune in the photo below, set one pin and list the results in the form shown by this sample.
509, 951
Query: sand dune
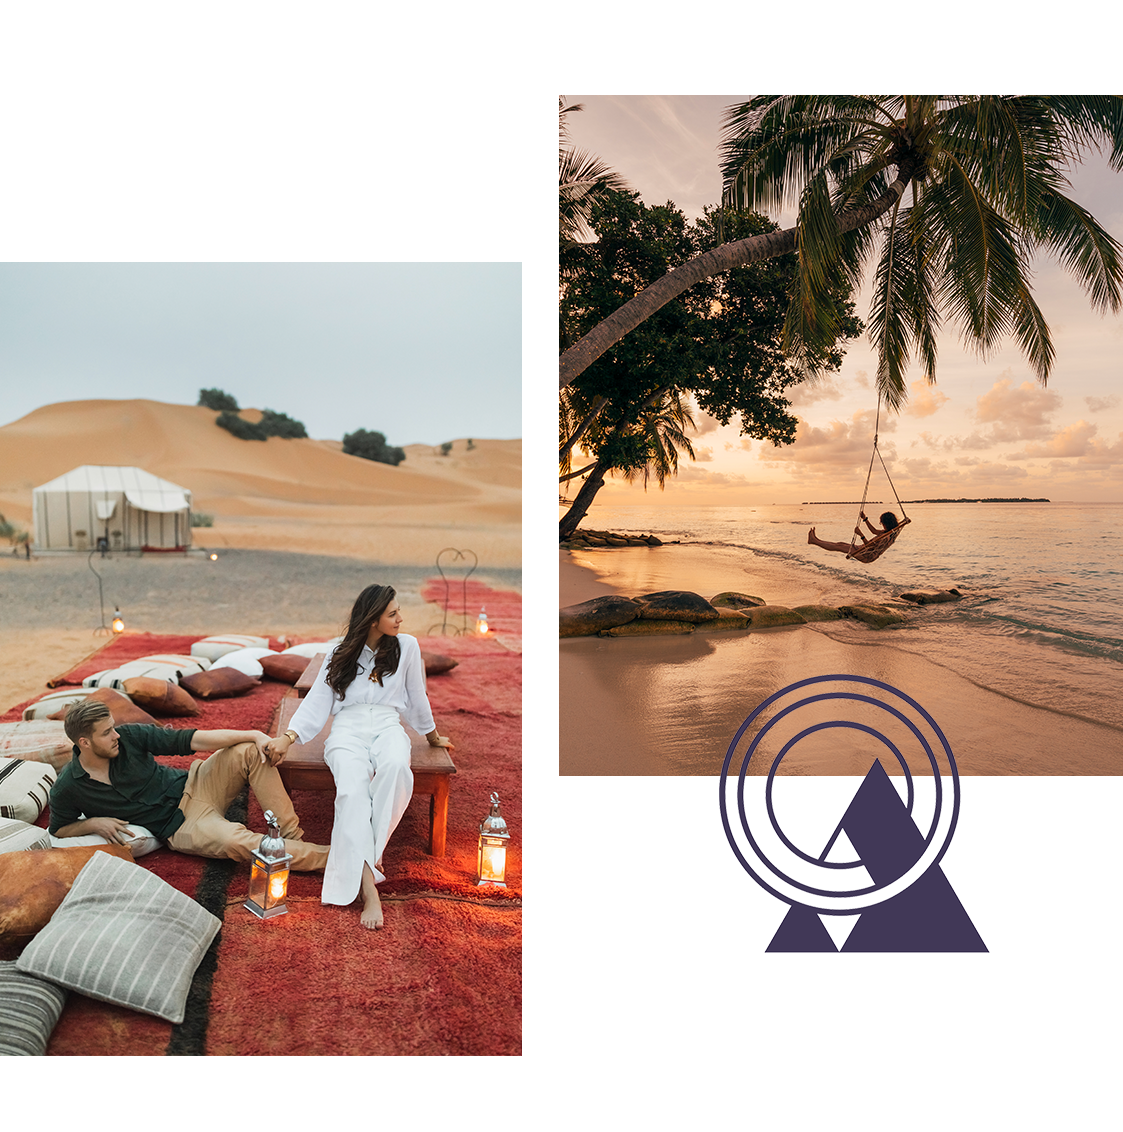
278, 493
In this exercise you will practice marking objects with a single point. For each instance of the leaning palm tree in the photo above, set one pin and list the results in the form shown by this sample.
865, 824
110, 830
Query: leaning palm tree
985, 184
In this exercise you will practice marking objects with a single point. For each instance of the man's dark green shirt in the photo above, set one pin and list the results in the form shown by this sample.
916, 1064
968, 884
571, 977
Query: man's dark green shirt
140, 790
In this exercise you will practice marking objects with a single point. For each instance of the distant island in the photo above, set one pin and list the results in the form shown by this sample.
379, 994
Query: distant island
878, 503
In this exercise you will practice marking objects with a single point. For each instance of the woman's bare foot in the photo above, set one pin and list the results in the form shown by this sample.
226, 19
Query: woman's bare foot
811, 536
372, 906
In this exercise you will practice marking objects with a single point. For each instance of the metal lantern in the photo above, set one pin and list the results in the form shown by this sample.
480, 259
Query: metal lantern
481, 622
118, 622
269, 876
491, 858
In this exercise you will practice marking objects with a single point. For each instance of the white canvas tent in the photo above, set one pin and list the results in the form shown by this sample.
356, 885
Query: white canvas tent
130, 507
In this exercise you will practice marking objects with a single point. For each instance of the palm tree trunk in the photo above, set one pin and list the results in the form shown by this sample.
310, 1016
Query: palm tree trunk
581, 504
738, 253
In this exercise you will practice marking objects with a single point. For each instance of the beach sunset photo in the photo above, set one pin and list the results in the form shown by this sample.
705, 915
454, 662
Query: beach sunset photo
890, 447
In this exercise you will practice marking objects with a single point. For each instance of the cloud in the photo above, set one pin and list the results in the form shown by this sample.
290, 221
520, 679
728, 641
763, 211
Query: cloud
1075, 440
1017, 413
810, 392
925, 400
1099, 404
841, 444
703, 422
702, 454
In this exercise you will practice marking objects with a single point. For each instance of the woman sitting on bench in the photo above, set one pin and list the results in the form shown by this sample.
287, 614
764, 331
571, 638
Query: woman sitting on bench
374, 673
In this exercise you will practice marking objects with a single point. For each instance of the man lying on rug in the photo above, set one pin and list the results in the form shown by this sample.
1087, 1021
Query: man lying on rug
114, 776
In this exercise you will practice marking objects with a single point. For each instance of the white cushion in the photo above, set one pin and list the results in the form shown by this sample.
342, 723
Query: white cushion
39, 740
314, 648
25, 788
55, 701
187, 665
244, 660
140, 841
214, 647
16, 835
115, 677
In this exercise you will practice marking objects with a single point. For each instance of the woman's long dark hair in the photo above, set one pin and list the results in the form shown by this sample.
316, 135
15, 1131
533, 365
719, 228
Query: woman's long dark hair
888, 520
343, 667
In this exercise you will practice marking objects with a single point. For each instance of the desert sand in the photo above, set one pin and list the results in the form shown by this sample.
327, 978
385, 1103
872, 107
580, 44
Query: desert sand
280, 495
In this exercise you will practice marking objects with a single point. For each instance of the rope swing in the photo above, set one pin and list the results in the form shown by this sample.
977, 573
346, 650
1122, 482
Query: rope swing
871, 550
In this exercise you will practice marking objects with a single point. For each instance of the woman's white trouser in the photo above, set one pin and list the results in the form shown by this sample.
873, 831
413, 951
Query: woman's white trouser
367, 752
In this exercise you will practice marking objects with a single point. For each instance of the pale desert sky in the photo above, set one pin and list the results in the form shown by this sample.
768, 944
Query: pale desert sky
422, 352
987, 428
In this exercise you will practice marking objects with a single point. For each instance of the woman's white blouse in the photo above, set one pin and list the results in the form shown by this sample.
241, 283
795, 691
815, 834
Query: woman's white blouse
404, 690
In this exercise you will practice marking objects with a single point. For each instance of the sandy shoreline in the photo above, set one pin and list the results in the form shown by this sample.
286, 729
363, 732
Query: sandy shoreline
671, 705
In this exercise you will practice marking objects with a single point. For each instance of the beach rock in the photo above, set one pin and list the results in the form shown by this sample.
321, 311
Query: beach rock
651, 540
731, 599
771, 616
818, 612
877, 616
589, 617
676, 605
921, 597
729, 619
642, 628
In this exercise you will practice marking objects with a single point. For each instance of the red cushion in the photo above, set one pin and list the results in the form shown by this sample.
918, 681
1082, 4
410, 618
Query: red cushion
123, 709
216, 683
161, 697
287, 667
435, 664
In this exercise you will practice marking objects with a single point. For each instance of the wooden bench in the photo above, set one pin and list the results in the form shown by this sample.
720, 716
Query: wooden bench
304, 769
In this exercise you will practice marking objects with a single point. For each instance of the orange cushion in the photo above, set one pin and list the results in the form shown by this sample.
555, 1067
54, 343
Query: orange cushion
161, 697
123, 709
218, 682
286, 667
33, 884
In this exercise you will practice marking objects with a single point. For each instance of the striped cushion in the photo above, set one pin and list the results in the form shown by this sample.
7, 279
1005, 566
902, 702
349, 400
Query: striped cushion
123, 935
29, 1009
213, 647
24, 788
39, 740
16, 835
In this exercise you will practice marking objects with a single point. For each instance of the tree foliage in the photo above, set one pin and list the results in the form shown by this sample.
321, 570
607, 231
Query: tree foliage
719, 343
218, 400
278, 424
372, 446
949, 198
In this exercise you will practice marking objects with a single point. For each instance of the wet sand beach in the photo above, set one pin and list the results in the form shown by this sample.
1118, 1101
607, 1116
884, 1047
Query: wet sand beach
670, 705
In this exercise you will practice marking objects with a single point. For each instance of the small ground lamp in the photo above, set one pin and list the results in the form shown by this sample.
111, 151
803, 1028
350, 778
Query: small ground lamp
491, 859
118, 622
481, 622
269, 876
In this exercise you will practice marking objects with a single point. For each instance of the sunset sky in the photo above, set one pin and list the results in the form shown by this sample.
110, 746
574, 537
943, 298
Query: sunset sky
987, 428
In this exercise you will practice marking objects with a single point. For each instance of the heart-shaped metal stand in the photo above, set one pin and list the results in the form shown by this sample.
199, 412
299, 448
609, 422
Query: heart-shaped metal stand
457, 556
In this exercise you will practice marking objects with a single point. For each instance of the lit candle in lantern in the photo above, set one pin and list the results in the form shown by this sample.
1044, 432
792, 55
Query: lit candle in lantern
481, 622
118, 622
491, 858
269, 874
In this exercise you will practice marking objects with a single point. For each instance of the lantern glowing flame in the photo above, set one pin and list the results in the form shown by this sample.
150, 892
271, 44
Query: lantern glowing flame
118, 622
491, 857
481, 623
269, 876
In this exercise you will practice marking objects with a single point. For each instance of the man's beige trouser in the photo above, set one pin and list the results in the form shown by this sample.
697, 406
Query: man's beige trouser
212, 784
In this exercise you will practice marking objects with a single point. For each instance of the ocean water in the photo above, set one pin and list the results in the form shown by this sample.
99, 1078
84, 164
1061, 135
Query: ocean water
1041, 620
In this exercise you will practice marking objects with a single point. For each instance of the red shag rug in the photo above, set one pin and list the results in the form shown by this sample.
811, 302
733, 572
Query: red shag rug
444, 975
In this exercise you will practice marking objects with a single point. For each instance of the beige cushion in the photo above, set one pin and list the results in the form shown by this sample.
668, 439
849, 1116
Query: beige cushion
140, 841
40, 740
186, 664
46, 705
17, 835
25, 788
29, 1011
313, 648
125, 936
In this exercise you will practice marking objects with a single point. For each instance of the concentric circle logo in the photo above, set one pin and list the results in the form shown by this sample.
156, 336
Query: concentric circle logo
818, 869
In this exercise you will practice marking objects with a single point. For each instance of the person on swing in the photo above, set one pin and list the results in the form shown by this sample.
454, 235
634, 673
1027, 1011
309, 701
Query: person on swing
889, 522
